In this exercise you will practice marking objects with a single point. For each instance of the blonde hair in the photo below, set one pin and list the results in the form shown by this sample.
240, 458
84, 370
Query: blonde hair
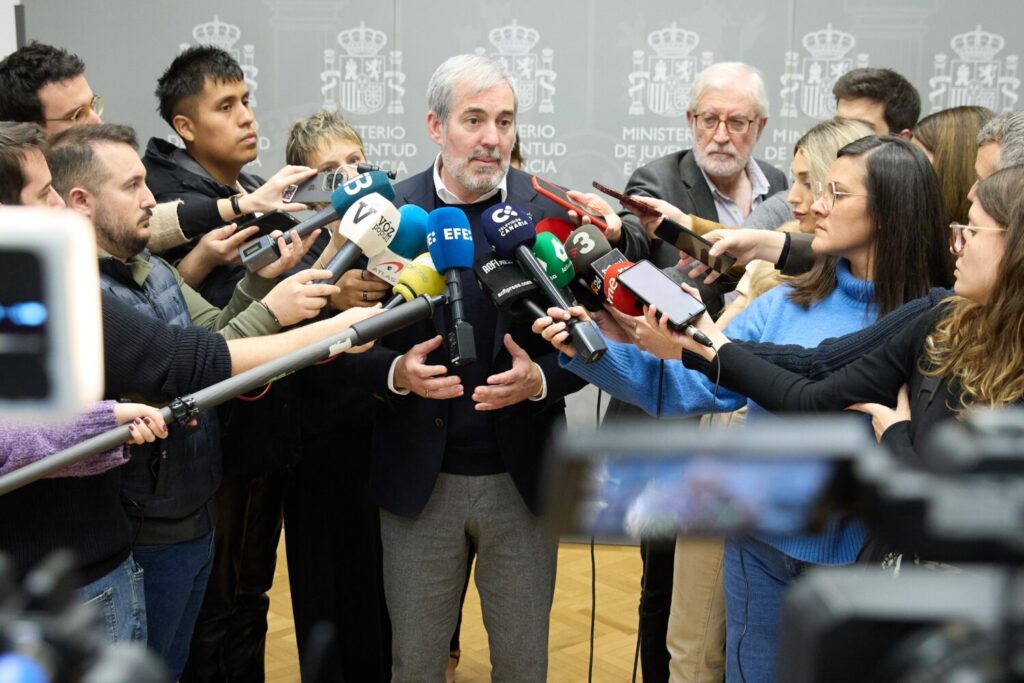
979, 347
309, 134
821, 144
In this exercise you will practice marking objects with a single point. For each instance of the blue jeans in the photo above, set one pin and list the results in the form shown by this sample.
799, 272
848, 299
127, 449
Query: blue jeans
119, 597
176, 576
755, 578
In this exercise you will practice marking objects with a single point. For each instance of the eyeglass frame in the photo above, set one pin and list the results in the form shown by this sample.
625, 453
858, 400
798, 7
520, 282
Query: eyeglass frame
723, 119
95, 105
820, 196
959, 234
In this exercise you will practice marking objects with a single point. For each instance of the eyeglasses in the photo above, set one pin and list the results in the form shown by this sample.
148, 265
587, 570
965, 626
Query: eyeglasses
709, 121
96, 105
961, 232
827, 194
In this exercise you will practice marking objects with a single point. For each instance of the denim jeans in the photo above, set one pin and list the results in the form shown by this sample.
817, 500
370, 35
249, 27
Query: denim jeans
119, 597
756, 577
176, 576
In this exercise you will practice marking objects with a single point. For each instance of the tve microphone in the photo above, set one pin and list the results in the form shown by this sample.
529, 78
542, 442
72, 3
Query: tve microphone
450, 242
558, 227
409, 241
618, 296
510, 290
511, 234
419, 277
263, 252
584, 246
369, 226
599, 269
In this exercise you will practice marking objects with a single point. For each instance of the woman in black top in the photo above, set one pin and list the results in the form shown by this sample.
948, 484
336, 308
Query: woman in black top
967, 352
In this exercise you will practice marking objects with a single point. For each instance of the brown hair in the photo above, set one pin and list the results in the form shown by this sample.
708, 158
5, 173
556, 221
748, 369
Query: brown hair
17, 140
979, 347
309, 134
72, 155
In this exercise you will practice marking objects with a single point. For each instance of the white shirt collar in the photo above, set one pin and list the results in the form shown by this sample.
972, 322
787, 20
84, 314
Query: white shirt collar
449, 197
758, 181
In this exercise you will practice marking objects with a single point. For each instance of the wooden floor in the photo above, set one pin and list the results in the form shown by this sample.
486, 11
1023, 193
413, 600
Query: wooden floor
618, 590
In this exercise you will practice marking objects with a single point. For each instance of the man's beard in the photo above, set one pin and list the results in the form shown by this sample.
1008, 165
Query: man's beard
716, 166
121, 239
482, 181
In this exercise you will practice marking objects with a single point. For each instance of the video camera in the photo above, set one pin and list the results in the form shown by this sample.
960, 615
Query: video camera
949, 531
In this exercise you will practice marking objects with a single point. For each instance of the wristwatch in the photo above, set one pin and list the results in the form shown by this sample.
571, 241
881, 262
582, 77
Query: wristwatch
235, 206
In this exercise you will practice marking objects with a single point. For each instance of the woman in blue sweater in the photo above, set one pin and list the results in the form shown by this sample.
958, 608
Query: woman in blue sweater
880, 233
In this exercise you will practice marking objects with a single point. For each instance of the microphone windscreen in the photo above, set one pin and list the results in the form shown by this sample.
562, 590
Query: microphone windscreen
449, 239
504, 282
374, 182
507, 227
617, 295
558, 227
551, 253
370, 223
418, 278
585, 245
412, 232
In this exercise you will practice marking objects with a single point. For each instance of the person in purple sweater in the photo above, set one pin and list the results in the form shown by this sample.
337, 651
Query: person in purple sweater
880, 230
26, 442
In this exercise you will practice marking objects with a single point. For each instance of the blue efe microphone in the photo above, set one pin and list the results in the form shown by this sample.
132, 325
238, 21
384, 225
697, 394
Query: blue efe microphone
450, 243
511, 234
263, 251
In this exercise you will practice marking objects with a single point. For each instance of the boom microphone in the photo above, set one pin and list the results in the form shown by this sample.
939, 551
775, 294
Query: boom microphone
419, 277
263, 251
369, 226
450, 242
409, 241
511, 234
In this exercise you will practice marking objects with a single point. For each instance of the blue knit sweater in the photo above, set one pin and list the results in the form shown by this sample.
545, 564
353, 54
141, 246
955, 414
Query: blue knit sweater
632, 375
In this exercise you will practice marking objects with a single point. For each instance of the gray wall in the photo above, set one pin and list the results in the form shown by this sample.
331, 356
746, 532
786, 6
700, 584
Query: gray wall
602, 84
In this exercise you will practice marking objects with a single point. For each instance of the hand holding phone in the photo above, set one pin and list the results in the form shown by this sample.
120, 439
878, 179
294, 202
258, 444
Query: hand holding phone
559, 196
652, 287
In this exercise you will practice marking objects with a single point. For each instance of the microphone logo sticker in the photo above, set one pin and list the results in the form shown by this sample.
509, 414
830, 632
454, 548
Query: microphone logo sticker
976, 76
385, 229
503, 213
814, 78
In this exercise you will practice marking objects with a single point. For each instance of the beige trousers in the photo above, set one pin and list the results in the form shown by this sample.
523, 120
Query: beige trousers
696, 624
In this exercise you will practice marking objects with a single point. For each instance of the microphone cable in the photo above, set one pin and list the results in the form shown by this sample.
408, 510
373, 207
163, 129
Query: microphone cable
593, 568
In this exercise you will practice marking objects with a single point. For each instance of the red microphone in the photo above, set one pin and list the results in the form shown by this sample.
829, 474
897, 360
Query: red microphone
621, 298
556, 226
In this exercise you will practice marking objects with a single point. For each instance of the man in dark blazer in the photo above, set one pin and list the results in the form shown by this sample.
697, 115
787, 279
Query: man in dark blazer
718, 179
457, 451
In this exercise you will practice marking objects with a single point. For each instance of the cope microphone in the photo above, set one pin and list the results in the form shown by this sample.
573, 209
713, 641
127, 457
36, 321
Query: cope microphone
369, 226
511, 234
409, 242
264, 251
450, 243
419, 277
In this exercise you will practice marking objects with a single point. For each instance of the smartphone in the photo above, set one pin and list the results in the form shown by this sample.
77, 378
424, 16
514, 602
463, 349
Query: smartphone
269, 222
319, 188
627, 201
653, 287
558, 196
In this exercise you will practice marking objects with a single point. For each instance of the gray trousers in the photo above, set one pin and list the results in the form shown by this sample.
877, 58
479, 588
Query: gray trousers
425, 570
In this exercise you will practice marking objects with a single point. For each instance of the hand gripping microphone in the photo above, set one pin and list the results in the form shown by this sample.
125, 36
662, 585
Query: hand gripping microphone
510, 290
409, 241
263, 252
618, 296
450, 242
511, 234
369, 226
556, 226
419, 277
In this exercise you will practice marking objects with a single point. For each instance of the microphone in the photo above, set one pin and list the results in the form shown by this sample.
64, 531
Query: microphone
511, 234
369, 226
450, 242
263, 251
619, 297
409, 241
584, 246
558, 227
419, 277
549, 251
508, 288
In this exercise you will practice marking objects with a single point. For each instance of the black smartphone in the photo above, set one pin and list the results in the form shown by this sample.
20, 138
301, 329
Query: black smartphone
653, 287
319, 188
269, 222
689, 242
558, 196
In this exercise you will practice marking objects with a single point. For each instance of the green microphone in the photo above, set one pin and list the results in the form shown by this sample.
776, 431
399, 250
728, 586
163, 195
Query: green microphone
549, 250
